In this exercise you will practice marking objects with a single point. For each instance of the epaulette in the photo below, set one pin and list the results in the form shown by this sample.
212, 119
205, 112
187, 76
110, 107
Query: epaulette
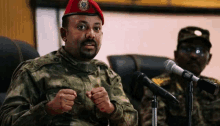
19, 68
161, 81
210, 79
39, 62
215, 81
100, 64
104, 66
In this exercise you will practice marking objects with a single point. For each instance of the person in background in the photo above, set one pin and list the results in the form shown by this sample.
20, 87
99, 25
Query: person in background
192, 54
68, 87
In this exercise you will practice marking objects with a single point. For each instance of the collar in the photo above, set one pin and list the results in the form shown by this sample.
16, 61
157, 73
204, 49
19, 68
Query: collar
88, 67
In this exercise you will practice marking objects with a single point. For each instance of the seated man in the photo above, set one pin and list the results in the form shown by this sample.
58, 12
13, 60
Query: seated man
192, 54
68, 87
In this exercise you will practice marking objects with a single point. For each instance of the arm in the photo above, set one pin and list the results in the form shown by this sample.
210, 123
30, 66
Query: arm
118, 108
22, 106
146, 110
124, 113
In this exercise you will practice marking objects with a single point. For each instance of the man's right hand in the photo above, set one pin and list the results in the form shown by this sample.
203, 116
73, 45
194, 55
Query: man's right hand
63, 102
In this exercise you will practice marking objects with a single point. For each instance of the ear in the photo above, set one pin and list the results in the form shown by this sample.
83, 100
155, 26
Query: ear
209, 58
63, 33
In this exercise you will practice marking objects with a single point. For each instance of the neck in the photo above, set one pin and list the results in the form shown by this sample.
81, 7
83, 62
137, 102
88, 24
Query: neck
79, 59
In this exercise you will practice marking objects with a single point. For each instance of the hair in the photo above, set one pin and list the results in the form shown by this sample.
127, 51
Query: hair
65, 22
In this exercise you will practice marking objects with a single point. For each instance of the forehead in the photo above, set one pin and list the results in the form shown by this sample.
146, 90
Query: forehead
73, 19
195, 42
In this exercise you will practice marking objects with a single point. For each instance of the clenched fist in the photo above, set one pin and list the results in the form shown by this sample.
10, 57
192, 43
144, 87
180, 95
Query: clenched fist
100, 97
63, 102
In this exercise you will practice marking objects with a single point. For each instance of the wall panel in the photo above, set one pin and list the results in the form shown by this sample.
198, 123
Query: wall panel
17, 20
197, 3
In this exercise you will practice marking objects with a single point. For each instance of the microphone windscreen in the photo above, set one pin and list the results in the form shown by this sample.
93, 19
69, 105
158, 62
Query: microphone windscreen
168, 65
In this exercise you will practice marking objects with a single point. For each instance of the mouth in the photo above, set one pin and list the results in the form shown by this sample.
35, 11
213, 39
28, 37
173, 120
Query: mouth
193, 64
89, 45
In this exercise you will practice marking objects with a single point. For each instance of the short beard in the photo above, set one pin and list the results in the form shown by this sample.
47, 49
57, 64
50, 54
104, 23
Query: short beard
89, 54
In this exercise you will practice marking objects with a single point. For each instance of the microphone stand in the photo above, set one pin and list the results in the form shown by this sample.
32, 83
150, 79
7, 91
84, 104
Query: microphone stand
189, 95
154, 111
189, 102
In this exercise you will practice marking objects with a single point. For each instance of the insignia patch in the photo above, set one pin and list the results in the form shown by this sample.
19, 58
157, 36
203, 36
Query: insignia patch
160, 81
83, 5
197, 32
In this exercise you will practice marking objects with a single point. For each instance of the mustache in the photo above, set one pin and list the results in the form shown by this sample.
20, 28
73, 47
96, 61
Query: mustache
89, 41
193, 61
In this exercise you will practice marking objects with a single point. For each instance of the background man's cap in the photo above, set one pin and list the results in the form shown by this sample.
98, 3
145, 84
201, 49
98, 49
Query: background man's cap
194, 32
83, 7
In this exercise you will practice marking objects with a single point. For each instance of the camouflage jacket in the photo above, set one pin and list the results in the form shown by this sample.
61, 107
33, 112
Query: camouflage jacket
206, 107
35, 82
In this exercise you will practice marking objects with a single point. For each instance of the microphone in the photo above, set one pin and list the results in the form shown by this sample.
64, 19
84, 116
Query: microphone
157, 90
205, 85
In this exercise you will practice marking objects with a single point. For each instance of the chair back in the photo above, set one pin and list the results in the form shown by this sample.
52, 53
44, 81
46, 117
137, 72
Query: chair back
126, 65
12, 53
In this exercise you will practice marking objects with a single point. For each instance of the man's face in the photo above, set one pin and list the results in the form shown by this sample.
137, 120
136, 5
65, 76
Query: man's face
193, 55
83, 36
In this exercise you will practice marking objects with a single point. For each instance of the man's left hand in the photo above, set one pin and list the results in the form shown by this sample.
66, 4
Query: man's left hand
100, 97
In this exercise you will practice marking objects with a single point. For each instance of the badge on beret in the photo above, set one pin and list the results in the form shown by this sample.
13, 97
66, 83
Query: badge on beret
197, 32
83, 5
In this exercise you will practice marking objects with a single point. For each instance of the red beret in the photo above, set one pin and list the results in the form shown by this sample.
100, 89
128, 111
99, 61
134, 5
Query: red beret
83, 7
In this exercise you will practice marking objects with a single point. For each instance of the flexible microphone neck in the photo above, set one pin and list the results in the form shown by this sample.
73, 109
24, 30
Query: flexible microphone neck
157, 90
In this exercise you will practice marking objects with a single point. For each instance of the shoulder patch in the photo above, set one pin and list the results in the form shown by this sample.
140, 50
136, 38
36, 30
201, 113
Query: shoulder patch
161, 81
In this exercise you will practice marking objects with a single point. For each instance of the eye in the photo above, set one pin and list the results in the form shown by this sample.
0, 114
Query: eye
198, 52
81, 27
97, 28
185, 49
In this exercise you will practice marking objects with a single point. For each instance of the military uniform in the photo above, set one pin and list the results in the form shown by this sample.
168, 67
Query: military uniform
206, 107
36, 82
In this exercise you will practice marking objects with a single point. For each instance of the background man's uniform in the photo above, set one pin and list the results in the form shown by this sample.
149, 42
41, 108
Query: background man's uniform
38, 81
206, 107
192, 54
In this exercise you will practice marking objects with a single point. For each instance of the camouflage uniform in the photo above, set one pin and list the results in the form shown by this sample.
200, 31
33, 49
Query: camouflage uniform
37, 81
206, 107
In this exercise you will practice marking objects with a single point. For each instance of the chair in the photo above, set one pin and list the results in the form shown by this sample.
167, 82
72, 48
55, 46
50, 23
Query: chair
12, 53
126, 65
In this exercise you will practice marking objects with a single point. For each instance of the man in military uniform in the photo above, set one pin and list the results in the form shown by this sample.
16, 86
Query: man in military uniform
192, 54
68, 87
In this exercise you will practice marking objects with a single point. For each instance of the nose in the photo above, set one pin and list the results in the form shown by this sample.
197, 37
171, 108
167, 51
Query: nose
90, 34
193, 54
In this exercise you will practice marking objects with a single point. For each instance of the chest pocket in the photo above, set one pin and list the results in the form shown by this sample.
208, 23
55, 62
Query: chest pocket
106, 79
